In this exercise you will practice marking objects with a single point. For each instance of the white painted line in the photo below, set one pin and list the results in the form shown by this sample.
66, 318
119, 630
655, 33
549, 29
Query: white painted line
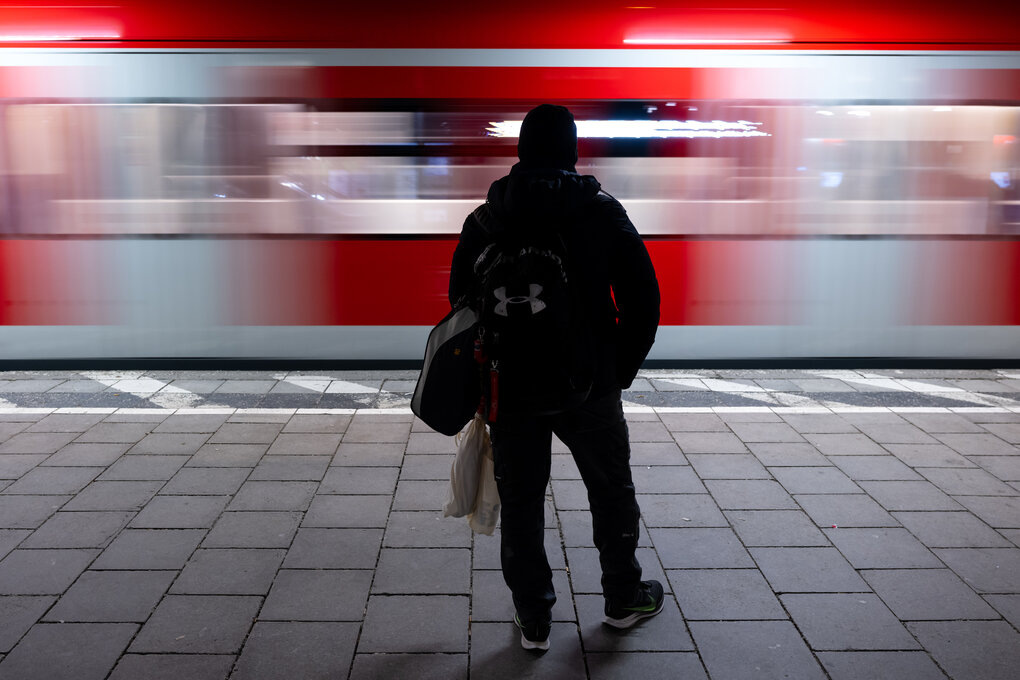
17, 410
326, 411
145, 411
77, 409
742, 409
978, 409
682, 409
209, 411
206, 408
397, 410
842, 408
801, 410
627, 408
265, 411
918, 409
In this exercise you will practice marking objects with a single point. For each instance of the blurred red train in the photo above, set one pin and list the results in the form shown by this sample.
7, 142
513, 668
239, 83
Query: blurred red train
287, 181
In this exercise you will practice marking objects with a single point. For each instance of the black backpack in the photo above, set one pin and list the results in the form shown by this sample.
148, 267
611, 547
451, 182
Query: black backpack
536, 350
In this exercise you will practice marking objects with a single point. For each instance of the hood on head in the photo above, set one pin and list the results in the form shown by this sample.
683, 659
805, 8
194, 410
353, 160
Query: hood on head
548, 138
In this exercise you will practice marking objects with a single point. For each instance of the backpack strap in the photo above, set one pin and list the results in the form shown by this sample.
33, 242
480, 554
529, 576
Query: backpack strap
482, 265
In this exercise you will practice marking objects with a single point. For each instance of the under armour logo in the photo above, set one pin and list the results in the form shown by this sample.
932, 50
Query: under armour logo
532, 299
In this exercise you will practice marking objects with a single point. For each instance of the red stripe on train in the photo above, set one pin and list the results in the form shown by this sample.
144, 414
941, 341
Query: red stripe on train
527, 23
405, 283
344, 283
965, 283
278, 282
56, 283
703, 283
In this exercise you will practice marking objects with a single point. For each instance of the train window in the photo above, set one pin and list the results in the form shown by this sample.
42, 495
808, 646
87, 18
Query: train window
334, 167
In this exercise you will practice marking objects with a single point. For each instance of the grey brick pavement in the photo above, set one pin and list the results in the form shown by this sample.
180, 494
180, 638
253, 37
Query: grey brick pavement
822, 541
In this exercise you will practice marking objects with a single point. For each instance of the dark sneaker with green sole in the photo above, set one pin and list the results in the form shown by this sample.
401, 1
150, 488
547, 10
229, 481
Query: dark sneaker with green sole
534, 635
648, 602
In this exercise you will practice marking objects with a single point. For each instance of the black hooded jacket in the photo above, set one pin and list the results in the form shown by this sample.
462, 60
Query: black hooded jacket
608, 256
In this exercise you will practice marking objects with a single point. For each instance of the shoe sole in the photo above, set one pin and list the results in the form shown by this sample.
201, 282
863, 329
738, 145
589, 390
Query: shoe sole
541, 645
629, 621
530, 644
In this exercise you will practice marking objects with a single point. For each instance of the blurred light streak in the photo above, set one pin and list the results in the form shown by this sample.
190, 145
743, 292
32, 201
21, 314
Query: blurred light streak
831, 180
56, 37
644, 129
705, 41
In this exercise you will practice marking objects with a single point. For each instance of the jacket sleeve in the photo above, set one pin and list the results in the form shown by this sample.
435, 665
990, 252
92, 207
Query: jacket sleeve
469, 247
636, 292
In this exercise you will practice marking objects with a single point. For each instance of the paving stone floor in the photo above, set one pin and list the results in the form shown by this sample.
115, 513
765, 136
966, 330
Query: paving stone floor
817, 540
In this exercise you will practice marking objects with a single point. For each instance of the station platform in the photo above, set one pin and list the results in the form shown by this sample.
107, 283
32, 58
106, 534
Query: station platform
212, 525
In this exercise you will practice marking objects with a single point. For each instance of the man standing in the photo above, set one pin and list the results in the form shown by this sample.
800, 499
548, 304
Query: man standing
620, 296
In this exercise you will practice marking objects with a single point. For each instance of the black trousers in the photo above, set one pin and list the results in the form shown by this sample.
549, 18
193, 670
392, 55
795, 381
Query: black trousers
596, 434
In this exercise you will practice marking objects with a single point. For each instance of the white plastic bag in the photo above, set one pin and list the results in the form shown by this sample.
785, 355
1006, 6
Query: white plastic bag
485, 515
460, 499
472, 480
